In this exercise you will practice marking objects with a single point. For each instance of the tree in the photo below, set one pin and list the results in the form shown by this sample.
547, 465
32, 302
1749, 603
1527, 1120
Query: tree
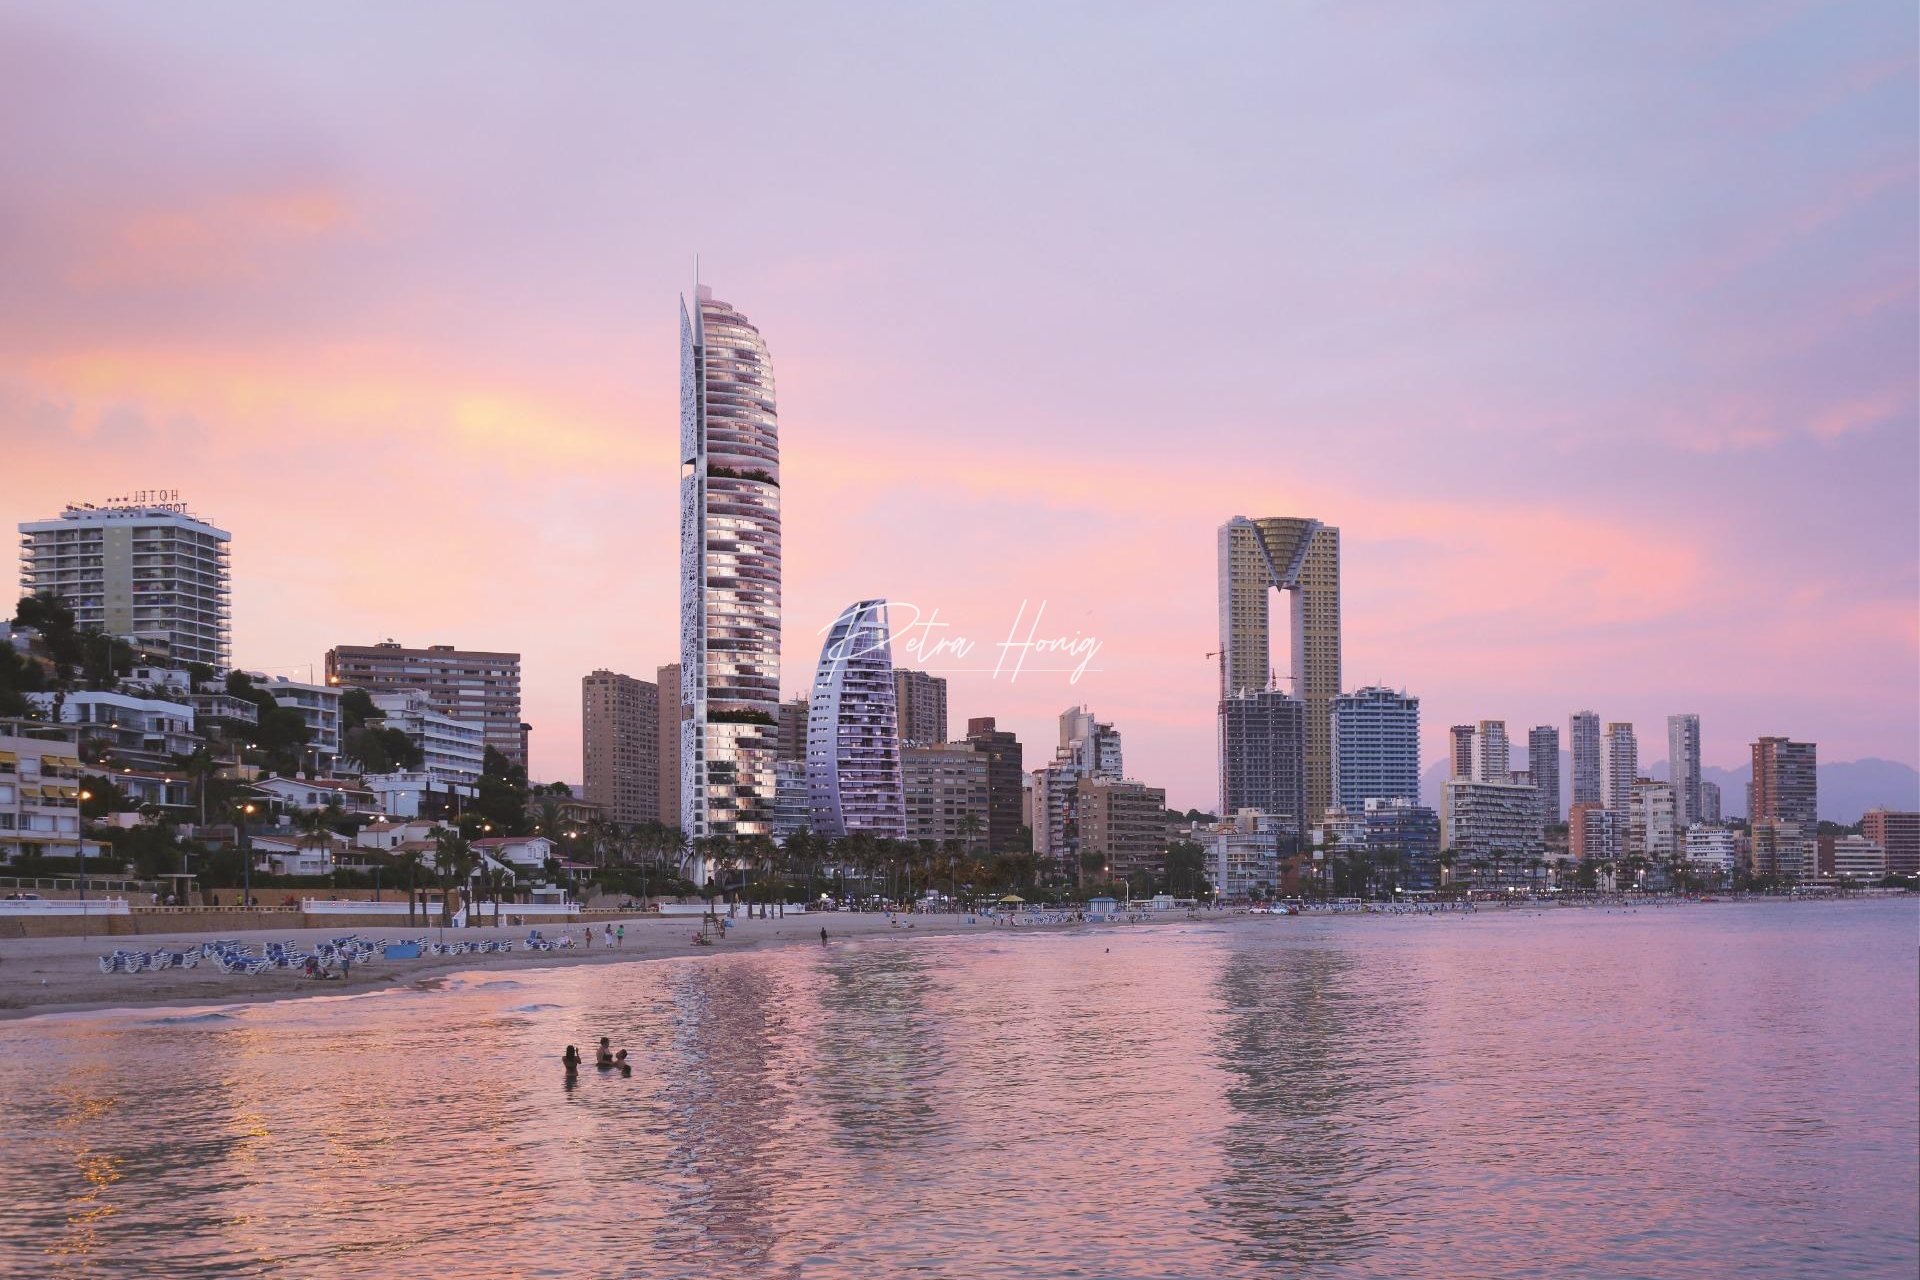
408, 860
356, 709
501, 798
970, 829
282, 733
19, 676
204, 772
455, 861
1187, 870
382, 750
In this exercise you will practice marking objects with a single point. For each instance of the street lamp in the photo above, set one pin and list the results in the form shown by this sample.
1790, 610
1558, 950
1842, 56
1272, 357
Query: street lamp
80, 832
246, 855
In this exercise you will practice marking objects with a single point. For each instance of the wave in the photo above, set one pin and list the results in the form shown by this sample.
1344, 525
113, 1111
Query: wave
186, 1018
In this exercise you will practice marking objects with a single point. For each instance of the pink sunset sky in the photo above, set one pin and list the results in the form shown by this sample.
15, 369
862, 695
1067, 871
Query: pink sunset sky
1592, 327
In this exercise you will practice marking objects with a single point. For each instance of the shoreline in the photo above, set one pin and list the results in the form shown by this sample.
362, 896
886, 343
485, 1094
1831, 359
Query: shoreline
45, 977
49, 977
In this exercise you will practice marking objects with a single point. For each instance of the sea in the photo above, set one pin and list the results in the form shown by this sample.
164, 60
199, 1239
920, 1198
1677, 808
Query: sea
1693, 1090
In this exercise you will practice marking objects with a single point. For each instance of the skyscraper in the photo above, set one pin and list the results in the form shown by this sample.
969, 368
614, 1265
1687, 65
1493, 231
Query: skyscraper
620, 745
1460, 751
1683, 767
667, 682
1376, 747
1006, 774
853, 742
729, 574
143, 569
1583, 734
479, 685
1089, 748
1623, 768
1263, 739
1785, 784
1543, 762
1302, 558
921, 700
1491, 755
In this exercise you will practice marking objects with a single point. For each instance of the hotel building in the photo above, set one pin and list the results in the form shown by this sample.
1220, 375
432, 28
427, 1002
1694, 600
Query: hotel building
146, 571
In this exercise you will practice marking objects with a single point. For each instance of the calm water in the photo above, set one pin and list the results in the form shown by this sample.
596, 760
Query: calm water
1686, 1092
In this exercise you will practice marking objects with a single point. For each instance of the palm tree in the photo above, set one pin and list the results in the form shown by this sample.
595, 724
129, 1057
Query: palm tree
493, 881
550, 820
455, 861
408, 860
970, 828
202, 768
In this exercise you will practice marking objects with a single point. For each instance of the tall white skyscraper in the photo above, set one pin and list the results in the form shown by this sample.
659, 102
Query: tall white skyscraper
729, 575
1583, 733
1623, 767
140, 568
1490, 751
1683, 767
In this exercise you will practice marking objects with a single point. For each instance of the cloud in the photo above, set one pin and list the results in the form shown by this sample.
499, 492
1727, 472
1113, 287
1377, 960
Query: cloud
231, 239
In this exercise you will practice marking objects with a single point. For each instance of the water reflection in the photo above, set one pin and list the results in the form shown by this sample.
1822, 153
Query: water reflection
729, 1105
879, 1059
1311, 1049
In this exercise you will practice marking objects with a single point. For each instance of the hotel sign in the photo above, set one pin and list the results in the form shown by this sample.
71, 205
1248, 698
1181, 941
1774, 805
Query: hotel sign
164, 499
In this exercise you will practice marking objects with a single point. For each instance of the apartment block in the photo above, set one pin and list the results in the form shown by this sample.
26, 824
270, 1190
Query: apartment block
482, 686
948, 793
620, 745
1125, 824
1897, 832
920, 700
1006, 782
1478, 819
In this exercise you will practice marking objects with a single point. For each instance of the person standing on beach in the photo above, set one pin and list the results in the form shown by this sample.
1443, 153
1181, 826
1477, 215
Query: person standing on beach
620, 938
609, 934
823, 935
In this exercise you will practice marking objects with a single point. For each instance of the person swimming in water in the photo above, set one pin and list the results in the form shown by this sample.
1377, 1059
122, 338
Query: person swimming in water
604, 1058
571, 1060
620, 1061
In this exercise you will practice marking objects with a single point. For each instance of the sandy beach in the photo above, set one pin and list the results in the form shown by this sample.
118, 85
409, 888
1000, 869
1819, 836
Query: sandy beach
57, 975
